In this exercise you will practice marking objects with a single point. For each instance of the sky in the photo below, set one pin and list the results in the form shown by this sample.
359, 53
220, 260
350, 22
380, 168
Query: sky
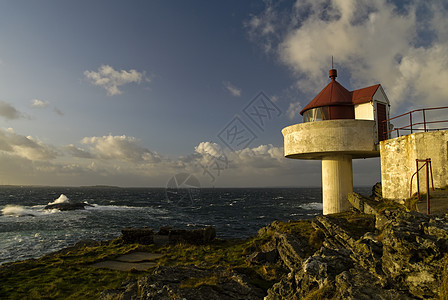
138, 93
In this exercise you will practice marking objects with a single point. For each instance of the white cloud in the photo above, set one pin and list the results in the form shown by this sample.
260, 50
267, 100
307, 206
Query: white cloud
233, 90
209, 148
403, 47
110, 79
122, 148
25, 146
8, 111
78, 152
36, 103
293, 110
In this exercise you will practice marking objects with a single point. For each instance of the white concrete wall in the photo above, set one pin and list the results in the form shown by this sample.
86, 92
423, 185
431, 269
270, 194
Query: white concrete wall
398, 163
315, 140
364, 111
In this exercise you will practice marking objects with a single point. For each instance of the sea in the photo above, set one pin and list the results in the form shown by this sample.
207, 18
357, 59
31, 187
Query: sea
28, 230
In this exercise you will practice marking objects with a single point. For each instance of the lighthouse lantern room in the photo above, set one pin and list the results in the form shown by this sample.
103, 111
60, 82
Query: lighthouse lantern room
338, 126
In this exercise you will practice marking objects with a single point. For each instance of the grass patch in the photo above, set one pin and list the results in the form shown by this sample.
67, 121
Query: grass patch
64, 275
388, 204
230, 254
68, 274
411, 203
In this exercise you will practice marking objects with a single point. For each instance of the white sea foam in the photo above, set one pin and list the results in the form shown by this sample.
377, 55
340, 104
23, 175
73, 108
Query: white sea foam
312, 206
113, 207
16, 211
62, 199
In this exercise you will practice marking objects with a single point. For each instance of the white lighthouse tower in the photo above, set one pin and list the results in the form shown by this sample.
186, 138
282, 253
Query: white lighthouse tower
338, 126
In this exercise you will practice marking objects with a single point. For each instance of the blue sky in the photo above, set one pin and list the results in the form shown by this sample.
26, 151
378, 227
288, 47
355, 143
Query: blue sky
132, 93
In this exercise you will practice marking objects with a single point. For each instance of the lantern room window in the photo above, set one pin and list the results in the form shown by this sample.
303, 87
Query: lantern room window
316, 114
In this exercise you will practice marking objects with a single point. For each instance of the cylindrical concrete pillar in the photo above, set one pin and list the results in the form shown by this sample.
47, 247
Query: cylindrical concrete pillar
337, 183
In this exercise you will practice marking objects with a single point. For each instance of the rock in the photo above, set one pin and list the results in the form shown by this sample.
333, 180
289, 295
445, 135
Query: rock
166, 234
377, 192
263, 257
376, 254
291, 249
143, 236
414, 248
188, 282
200, 236
406, 260
362, 204
68, 206
164, 230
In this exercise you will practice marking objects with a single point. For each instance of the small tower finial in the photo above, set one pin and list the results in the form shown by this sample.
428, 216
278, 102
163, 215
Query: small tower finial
333, 73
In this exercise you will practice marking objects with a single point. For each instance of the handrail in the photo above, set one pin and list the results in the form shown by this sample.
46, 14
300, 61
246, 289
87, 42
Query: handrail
428, 168
411, 125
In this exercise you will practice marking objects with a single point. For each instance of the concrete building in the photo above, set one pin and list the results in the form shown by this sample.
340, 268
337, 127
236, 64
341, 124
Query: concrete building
398, 163
338, 126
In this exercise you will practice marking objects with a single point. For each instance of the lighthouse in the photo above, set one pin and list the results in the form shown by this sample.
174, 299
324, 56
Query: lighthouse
339, 126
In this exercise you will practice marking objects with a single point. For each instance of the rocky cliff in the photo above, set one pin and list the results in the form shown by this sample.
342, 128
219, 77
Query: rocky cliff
387, 253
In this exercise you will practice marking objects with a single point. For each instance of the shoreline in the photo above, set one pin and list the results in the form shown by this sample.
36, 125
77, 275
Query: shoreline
347, 255
238, 214
344, 255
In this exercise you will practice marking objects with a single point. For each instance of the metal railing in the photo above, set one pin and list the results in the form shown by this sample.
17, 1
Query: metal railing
420, 126
427, 163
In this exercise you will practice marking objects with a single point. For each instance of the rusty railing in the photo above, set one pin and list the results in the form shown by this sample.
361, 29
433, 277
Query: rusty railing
417, 126
427, 163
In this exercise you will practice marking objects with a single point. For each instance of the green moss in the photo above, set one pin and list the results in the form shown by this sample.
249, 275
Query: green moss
411, 203
69, 274
196, 282
301, 227
388, 204
316, 239
356, 223
64, 275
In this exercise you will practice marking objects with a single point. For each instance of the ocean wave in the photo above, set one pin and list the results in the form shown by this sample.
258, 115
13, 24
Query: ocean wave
112, 207
13, 210
62, 199
125, 207
312, 206
17, 211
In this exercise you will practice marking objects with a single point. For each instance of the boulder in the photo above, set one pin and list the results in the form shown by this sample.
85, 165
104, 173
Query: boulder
68, 206
146, 236
143, 236
199, 236
377, 192
405, 260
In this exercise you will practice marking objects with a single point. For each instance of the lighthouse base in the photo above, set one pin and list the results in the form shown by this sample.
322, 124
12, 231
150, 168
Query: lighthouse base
337, 183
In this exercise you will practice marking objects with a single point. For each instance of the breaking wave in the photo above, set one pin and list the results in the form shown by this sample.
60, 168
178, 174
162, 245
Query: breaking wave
62, 199
17, 211
312, 206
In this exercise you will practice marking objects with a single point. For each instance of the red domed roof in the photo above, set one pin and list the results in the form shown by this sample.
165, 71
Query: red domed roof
334, 94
